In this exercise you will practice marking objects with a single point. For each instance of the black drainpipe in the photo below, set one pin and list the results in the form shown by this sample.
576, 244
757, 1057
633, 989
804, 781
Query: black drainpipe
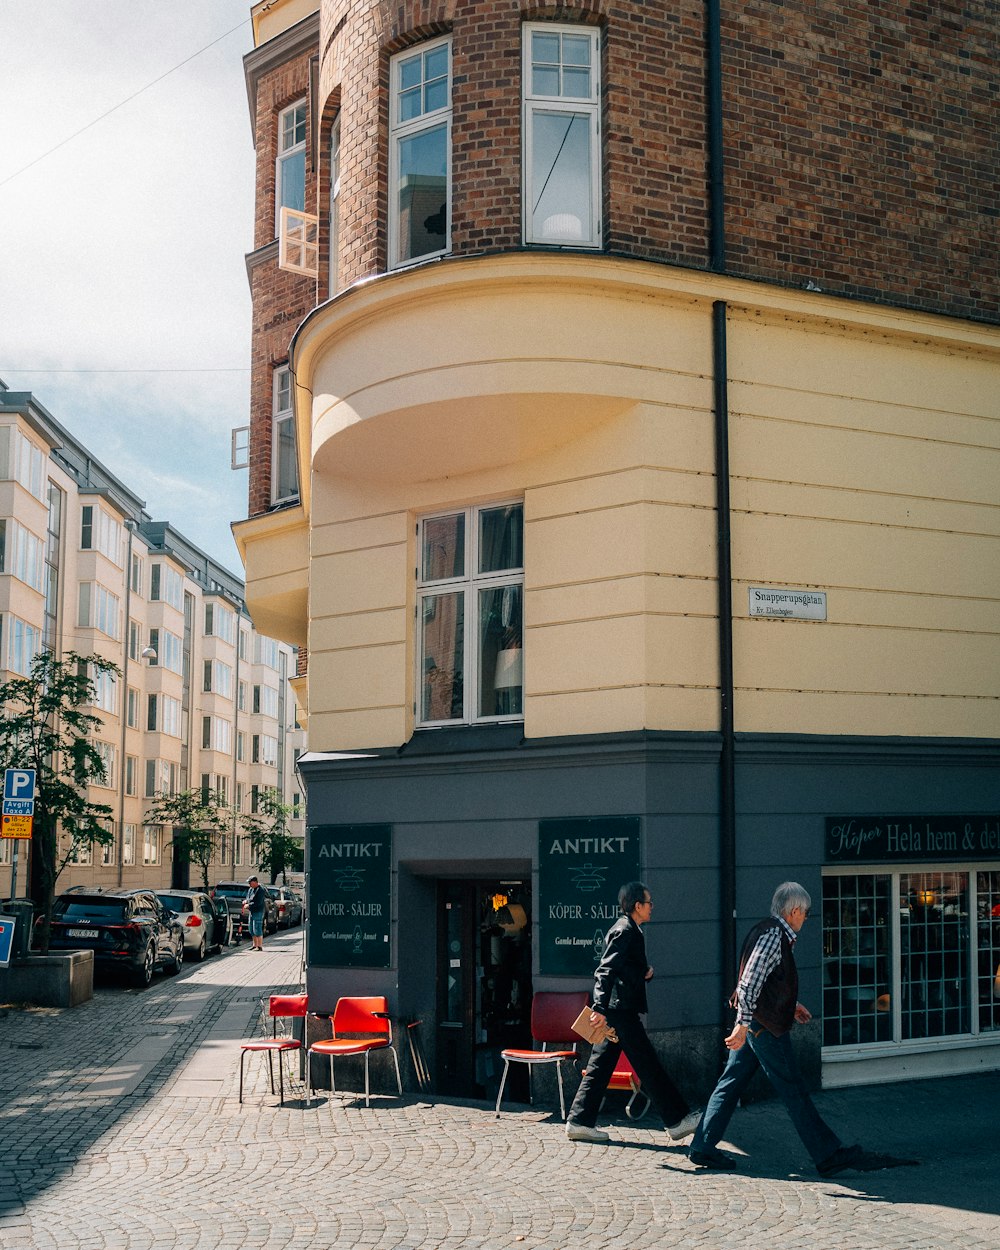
720, 396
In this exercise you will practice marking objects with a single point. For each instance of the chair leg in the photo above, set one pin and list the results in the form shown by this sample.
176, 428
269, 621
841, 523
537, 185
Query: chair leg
399, 1079
243, 1055
309, 1084
368, 1100
503, 1080
281, 1078
270, 1069
562, 1099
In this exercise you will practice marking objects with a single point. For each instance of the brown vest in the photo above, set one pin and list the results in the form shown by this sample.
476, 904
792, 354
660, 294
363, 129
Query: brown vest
776, 1006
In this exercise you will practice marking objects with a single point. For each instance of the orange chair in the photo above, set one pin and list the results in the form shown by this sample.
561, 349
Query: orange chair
624, 1078
366, 1016
552, 1014
279, 1007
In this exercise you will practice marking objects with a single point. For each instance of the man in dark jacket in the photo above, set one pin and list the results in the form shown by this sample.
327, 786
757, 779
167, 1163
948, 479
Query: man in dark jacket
619, 1000
767, 1008
256, 906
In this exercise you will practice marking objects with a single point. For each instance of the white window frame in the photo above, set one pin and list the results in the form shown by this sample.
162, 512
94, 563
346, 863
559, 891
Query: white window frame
334, 266
400, 131
282, 415
469, 584
589, 107
287, 153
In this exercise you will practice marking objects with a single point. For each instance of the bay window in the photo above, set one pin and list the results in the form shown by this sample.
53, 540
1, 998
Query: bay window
420, 154
470, 615
561, 127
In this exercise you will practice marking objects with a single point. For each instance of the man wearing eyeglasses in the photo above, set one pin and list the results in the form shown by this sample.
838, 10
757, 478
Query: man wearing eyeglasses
767, 1008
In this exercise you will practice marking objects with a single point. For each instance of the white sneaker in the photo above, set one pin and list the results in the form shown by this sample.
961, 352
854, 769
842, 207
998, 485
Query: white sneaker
684, 1128
583, 1132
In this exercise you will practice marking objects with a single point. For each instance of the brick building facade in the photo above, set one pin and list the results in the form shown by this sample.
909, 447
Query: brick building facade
610, 316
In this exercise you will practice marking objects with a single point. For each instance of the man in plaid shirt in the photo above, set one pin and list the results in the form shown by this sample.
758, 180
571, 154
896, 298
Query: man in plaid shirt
767, 1008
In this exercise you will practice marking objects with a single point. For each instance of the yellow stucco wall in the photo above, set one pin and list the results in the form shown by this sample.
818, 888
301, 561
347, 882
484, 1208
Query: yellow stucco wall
864, 462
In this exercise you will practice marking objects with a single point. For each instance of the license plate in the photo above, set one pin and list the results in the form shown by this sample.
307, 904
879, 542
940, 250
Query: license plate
83, 933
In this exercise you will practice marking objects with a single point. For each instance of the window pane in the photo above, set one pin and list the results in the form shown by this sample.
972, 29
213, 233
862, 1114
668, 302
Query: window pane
436, 95
576, 83
544, 49
293, 182
576, 50
500, 663
501, 538
436, 63
423, 190
934, 961
286, 468
410, 71
856, 966
988, 976
443, 547
442, 641
560, 176
409, 104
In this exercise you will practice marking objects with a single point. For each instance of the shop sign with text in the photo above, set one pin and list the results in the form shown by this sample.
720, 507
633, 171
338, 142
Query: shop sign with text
911, 839
581, 866
349, 896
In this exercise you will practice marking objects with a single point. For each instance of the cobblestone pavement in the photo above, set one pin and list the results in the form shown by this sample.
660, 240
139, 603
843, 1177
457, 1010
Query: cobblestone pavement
120, 1129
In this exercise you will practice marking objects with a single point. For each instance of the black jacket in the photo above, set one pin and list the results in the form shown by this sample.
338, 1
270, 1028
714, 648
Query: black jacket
620, 978
257, 899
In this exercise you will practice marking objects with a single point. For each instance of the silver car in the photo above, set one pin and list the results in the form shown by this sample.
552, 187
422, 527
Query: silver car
203, 929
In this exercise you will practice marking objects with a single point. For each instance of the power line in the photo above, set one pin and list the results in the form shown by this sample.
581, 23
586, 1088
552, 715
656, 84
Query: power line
76, 134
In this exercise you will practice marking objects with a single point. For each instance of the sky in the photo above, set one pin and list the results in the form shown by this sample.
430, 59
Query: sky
126, 212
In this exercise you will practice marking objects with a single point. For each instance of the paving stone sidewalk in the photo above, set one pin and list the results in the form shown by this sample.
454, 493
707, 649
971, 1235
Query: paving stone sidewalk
120, 1129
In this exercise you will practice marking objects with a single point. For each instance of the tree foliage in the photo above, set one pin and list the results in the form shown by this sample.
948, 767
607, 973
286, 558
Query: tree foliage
273, 848
46, 724
198, 819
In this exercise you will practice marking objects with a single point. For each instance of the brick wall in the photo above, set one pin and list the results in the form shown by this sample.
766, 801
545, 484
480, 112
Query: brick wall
859, 144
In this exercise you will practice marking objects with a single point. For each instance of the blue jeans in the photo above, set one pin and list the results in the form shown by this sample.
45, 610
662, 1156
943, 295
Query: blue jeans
775, 1056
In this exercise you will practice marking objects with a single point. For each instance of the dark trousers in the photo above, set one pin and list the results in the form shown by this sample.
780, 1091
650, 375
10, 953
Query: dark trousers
656, 1085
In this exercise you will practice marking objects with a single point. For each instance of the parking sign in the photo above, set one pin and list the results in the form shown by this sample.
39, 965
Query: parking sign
18, 787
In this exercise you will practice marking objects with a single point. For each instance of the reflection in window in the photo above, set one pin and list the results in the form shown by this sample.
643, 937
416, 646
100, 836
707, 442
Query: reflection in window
471, 615
421, 153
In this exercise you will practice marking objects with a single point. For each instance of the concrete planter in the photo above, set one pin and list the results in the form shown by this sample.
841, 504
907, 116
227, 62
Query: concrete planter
65, 979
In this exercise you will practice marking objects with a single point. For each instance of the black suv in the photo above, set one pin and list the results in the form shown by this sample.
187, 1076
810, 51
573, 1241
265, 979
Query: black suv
128, 929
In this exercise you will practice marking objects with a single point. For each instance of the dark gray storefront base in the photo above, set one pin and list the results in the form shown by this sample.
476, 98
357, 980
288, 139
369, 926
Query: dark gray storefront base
467, 804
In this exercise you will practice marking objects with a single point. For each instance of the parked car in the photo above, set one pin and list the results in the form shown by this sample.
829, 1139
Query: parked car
204, 931
288, 903
235, 895
126, 929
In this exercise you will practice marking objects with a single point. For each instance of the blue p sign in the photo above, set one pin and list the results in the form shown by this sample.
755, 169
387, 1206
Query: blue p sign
19, 783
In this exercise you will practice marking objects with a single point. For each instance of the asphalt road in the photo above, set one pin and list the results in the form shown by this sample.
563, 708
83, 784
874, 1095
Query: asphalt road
120, 1129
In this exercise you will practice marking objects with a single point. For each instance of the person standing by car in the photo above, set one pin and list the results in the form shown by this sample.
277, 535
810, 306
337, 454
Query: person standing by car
256, 904
619, 1000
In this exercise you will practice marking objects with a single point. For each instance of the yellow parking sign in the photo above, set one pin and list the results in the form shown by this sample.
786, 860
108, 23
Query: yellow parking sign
16, 826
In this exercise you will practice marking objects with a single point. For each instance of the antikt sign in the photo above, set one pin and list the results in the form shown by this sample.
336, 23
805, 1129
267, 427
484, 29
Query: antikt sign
349, 896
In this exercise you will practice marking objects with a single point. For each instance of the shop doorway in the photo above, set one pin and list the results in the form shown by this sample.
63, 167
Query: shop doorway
483, 984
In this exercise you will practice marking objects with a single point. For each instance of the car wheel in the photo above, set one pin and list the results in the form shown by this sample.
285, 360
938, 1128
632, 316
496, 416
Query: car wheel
202, 949
144, 974
173, 968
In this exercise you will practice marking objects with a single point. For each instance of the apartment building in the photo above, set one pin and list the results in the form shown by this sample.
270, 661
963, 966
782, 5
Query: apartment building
203, 698
623, 463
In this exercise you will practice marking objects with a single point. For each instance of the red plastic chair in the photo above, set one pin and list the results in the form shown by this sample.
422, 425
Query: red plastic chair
279, 1007
624, 1078
552, 1014
368, 1017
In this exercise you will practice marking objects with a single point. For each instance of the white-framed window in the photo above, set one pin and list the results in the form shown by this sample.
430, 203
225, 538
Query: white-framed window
109, 852
910, 954
22, 554
470, 615
151, 844
162, 777
105, 691
561, 135
420, 153
99, 609
169, 650
264, 750
284, 463
137, 574
20, 642
100, 532
290, 167
265, 651
128, 844
131, 774
108, 756
220, 622
166, 585
216, 734
22, 461
132, 708
265, 701
334, 205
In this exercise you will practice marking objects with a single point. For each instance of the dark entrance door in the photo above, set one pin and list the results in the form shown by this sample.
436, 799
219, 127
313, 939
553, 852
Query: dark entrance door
483, 985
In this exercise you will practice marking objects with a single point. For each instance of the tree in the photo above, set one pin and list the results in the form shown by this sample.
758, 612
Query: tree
44, 725
198, 819
272, 846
